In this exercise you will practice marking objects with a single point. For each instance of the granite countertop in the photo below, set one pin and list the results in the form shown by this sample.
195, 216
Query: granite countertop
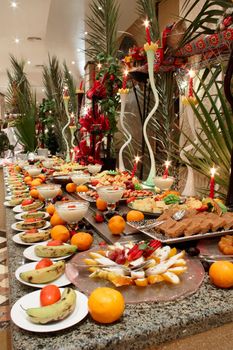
142, 325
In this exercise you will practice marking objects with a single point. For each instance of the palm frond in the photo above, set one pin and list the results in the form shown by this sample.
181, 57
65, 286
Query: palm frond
70, 82
147, 9
205, 22
102, 28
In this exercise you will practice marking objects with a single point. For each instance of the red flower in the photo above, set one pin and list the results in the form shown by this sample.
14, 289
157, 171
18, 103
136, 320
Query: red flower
98, 91
213, 40
200, 44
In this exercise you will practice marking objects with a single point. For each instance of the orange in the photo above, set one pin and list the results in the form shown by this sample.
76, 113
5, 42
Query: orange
34, 193
56, 220
41, 198
81, 188
71, 187
101, 204
50, 209
135, 215
82, 240
60, 232
106, 305
27, 179
42, 177
221, 274
60, 192
116, 225
36, 182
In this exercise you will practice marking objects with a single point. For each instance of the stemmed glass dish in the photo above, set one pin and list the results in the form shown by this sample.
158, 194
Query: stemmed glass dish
49, 191
94, 168
80, 178
111, 195
48, 163
72, 211
163, 183
33, 170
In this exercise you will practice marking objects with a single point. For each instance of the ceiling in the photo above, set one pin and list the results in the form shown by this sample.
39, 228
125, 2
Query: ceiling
59, 24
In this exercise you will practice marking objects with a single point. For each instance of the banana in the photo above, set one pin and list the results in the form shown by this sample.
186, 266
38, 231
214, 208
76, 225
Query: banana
35, 237
55, 312
44, 275
44, 251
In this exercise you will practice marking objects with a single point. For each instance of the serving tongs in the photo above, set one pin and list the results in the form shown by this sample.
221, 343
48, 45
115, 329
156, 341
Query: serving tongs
177, 216
215, 257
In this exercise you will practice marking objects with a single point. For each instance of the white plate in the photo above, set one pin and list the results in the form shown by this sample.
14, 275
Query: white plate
19, 216
19, 316
13, 226
16, 238
59, 282
29, 253
8, 198
18, 209
8, 205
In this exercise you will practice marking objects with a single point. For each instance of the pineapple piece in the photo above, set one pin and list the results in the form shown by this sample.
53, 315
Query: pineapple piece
141, 282
155, 279
178, 270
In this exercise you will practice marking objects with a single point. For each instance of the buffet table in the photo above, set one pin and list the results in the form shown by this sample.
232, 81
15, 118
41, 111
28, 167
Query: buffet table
143, 326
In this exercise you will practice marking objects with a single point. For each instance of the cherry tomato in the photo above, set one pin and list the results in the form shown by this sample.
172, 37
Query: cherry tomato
45, 262
54, 242
27, 202
49, 295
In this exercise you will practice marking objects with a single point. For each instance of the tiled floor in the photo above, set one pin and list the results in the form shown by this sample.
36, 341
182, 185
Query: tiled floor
4, 296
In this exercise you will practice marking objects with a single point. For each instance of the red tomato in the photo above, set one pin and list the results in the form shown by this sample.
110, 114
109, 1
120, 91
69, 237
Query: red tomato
45, 262
54, 242
49, 295
94, 182
27, 202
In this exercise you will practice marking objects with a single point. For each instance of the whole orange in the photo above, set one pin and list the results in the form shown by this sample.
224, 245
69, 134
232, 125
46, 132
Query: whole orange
56, 220
34, 193
71, 187
36, 182
50, 209
135, 215
116, 225
81, 188
221, 274
82, 240
60, 233
27, 179
42, 177
101, 204
106, 305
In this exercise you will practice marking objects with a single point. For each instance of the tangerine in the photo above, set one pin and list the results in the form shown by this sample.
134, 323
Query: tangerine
116, 225
82, 240
34, 193
101, 204
60, 233
42, 177
56, 220
106, 305
36, 182
71, 187
27, 179
50, 209
221, 274
81, 188
134, 215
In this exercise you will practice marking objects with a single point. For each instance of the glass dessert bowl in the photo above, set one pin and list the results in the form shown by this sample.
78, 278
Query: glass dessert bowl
33, 170
72, 211
94, 168
111, 195
48, 163
49, 191
80, 178
163, 183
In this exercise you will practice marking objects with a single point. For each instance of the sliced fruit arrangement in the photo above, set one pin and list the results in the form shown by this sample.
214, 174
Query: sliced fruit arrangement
123, 178
55, 306
139, 264
46, 274
128, 194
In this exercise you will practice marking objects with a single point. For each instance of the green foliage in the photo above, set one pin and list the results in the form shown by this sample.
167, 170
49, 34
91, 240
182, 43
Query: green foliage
205, 22
102, 28
20, 100
147, 10
215, 136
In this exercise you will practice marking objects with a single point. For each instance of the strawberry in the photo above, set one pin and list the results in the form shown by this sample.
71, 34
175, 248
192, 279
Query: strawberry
99, 218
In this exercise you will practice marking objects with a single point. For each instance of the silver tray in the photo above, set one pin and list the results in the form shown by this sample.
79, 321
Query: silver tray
160, 237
